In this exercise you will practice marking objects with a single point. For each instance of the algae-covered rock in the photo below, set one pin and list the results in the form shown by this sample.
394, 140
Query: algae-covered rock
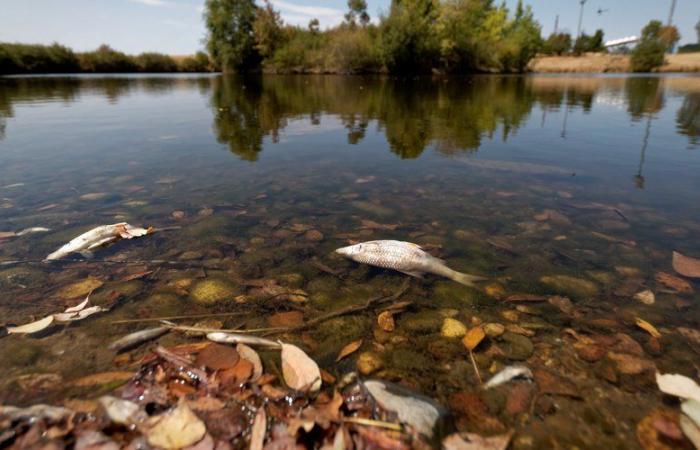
450, 294
80, 289
421, 322
569, 285
213, 290
369, 362
453, 328
493, 329
516, 346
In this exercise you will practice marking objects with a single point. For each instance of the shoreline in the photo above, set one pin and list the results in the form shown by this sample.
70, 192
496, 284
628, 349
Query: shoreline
611, 63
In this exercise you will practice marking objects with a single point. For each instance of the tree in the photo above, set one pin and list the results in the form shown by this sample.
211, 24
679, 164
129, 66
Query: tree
697, 30
586, 43
357, 12
558, 44
521, 41
649, 53
669, 36
230, 38
267, 29
314, 26
408, 39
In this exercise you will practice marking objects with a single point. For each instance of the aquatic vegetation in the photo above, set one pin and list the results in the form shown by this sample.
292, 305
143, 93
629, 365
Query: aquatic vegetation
213, 290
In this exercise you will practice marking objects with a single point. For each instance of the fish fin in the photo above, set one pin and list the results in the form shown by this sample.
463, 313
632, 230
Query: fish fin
465, 278
87, 254
413, 274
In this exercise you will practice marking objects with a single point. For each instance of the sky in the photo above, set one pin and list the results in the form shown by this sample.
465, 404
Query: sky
175, 26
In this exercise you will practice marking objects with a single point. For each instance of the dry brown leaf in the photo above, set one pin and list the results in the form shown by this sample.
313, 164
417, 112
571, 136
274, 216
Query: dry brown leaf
257, 433
33, 327
686, 266
176, 428
473, 337
386, 321
217, 357
137, 275
300, 372
649, 328
348, 349
253, 358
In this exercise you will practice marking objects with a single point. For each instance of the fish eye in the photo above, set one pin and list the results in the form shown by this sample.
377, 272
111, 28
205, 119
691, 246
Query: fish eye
359, 247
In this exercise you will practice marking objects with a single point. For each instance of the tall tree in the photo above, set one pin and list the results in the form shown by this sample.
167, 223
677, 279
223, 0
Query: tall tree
408, 36
230, 39
267, 29
357, 12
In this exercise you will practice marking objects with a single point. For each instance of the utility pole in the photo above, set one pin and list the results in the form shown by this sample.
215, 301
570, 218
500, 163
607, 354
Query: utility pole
580, 18
670, 13
556, 24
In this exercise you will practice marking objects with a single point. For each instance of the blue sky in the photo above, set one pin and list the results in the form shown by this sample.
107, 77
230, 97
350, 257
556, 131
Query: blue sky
175, 26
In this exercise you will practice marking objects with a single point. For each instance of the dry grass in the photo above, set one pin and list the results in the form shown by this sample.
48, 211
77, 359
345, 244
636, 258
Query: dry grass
602, 63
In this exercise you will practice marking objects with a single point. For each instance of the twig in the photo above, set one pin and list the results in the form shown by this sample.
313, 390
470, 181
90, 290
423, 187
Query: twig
476, 368
348, 310
219, 330
193, 316
107, 261
373, 423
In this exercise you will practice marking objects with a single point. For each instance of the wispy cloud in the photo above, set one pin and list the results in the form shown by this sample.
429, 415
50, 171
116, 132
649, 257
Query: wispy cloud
301, 14
151, 2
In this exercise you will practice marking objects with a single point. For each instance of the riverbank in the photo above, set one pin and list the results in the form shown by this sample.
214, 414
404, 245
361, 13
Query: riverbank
604, 63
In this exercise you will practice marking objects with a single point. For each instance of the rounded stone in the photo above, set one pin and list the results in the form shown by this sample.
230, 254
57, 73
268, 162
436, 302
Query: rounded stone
369, 362
453, 328
213, 290
517, 347
493, 330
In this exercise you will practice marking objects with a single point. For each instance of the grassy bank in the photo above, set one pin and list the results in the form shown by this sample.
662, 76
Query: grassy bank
604, 63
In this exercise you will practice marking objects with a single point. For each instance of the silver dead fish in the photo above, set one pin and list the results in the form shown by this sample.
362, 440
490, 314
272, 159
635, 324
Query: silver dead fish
508, 374
134, 339
97, 237
404, 257
232, 338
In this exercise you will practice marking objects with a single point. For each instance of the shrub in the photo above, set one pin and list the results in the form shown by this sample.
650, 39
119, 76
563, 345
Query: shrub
27, 58
409, 42
155, 62
352, 50
197, 63
557, 44
106, 60
649, 53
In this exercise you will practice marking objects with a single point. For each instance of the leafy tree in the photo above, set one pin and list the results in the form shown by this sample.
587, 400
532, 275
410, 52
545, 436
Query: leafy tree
357, 12
557, 44
267, 29
649, 53
197, 63
155, 62
586, 43
230, 38
314, 26
670, 36
105, 59
521, 41
408, 39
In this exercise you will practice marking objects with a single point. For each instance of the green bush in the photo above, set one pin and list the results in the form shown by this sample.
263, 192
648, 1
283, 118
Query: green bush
26, 58
352, 50
197, 63
155, 62
409, 42
106, 60
557, 44
688, 48
649, 53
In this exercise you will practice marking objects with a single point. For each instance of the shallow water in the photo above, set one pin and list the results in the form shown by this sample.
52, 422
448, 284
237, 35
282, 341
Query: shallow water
256, 181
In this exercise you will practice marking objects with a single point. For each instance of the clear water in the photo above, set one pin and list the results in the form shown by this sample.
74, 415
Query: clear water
465, 167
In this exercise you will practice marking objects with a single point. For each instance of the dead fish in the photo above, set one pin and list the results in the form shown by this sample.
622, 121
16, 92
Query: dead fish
97, 237
508, 374
230, 338
139, 337
405, 257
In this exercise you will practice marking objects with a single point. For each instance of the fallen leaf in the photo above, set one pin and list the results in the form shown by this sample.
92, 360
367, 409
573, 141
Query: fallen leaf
176, 428
673, 282
253, 358
649, 328
473, 441
137, 275
257, 433
686, 266
649, 436
385, 320
473, 337
679, 386
217, 357
33, 327
691, 408
691, 430
102, 378
647, 297
300, 372
348, 349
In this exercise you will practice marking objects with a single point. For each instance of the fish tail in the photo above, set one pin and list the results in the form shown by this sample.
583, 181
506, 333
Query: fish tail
464, 278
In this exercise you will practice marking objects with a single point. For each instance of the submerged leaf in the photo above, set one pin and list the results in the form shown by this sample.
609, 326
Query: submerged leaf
649, 328
473, 337
686, 266
176, 428
253, 358
33, 327
300, 372
679, 386
348, 349
385, 320
673, 282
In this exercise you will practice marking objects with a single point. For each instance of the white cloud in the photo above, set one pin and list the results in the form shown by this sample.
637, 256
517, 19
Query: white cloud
300, 15
151, 2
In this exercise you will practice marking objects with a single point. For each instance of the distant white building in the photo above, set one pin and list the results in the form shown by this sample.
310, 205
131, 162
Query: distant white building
621, 42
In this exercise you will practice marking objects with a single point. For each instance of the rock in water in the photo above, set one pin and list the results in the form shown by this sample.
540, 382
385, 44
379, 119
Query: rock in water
419, 412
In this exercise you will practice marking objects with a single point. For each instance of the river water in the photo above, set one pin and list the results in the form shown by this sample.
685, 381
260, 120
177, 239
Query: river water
574, 190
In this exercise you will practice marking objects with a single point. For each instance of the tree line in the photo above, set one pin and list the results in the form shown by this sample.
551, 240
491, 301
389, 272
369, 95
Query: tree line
55, 58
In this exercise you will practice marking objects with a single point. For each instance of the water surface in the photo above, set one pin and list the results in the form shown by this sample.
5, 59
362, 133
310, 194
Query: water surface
580, 186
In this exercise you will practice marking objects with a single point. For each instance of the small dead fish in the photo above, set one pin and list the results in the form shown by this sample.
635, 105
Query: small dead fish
230, 338
404, 257
79, 315
139, 337
97, 237
32, 230
508, 374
